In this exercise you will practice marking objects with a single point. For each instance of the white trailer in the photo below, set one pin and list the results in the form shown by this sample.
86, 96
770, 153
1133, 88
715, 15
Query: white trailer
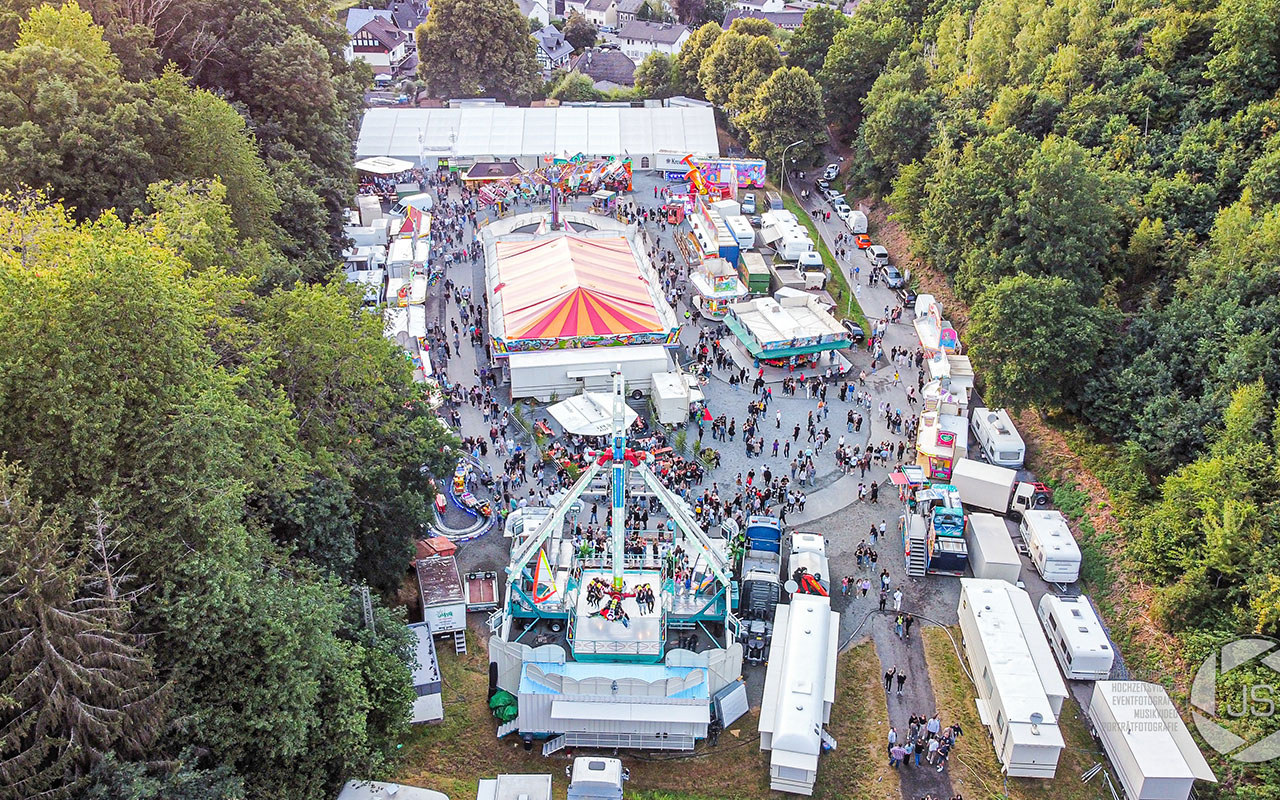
742, 232
993, 488
809, 552
991, 551
370, 208
793, 245
1077, 637
799, 690
997, 437
1149, 746
428, 705
857, 221
1052, 548
444, 602
1012, 702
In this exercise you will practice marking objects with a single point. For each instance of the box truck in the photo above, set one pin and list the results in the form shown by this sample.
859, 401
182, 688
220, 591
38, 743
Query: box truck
991, 551
997, 438
996, 489
1051, 546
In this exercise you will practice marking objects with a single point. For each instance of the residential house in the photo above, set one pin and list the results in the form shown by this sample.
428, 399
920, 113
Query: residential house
760, 5
535, 9
640, 38
574, 7
553, 49
608, 68
786, 20
381, 45
627, 10
602, 13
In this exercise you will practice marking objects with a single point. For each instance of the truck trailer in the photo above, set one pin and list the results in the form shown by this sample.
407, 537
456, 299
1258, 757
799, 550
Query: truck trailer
991, 550
1052, 548
996, 489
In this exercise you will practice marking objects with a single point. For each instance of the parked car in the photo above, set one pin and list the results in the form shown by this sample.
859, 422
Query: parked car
854, 329
831, 172
754, 219
877, 255
841, 207
831, 195
862, 240
907, 298
749, 203
821, 185
893, 278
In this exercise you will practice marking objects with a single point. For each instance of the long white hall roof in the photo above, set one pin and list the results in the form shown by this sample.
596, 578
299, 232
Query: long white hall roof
502, 132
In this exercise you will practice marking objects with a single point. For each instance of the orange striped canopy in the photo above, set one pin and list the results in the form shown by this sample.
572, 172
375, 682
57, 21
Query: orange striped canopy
566, 285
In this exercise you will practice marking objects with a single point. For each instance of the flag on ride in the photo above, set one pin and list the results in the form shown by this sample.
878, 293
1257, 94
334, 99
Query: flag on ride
543, 577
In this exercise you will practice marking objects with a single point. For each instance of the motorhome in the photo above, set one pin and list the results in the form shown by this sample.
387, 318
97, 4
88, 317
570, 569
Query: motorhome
1052, 548
1012, 702
742, 231
1077, 637
997, 438
793, 245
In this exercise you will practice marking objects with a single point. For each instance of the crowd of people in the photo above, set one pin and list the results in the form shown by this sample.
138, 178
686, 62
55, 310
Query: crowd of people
926, 742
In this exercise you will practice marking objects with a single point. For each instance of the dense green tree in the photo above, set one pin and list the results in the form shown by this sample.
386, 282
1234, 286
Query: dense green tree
76, 684
688, 62
1034, 341
788, 108
1246, 46
469, 49
735, 68
574, 86
753, 26
113, 779
860, 50
656, 75
898, 112
579, 31
809, 45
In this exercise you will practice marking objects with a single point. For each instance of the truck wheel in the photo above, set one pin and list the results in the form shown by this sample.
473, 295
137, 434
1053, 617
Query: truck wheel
636, 394
1042, 500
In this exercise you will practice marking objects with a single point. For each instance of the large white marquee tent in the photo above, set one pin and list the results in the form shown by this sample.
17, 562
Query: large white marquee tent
654, 138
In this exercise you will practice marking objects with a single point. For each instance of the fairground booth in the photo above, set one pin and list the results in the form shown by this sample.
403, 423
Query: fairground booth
568, 307
790, 332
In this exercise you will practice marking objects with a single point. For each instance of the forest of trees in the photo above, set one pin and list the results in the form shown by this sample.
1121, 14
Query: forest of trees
207, 444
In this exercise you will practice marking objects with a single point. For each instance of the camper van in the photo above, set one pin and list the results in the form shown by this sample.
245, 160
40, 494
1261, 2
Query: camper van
1077, 637
1052, 548
792, 246
997, 438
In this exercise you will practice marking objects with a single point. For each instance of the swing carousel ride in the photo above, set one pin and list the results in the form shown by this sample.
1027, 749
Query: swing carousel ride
591, 622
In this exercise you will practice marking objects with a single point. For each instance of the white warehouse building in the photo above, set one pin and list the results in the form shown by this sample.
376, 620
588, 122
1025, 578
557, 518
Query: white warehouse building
1013, 700
653, 138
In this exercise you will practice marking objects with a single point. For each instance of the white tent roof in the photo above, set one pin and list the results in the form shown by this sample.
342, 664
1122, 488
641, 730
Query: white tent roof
589, 414
382, 165
501, 132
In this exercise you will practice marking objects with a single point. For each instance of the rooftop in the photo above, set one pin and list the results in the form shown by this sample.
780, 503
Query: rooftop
488, 131
606, 65
656, 32
1078, 623
1150, 724
782, 19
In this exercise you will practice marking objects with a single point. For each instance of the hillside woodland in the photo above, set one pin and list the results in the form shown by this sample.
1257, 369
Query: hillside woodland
206, 443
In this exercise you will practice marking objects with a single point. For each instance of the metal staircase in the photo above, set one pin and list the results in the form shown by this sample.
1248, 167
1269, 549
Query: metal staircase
554, 745
915, 556
460, 642
508, 727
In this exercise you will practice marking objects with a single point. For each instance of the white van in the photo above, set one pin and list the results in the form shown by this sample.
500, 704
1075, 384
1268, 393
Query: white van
877, 255
1052, 548
810, 260
997, 438
1077, 637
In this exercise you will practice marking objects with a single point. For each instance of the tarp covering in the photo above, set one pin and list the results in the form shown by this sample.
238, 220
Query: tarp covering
589, 414
572, 286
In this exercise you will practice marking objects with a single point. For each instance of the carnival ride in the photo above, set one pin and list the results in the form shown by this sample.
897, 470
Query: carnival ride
460, 493
616, 605
560, 175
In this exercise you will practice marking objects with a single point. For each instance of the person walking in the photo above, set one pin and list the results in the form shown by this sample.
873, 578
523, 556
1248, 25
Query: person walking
896, 754
933, 751
897, 626
866, 586
897, 599
884, 596
888, 681
906, 626
902, 680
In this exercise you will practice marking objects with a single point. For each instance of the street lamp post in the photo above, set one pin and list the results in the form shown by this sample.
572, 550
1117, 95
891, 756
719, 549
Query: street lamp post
786, 176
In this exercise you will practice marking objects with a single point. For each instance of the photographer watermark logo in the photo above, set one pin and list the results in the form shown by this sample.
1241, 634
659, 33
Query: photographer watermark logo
1257, 701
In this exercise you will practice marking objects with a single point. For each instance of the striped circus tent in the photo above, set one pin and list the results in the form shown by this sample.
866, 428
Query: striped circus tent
566, 286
